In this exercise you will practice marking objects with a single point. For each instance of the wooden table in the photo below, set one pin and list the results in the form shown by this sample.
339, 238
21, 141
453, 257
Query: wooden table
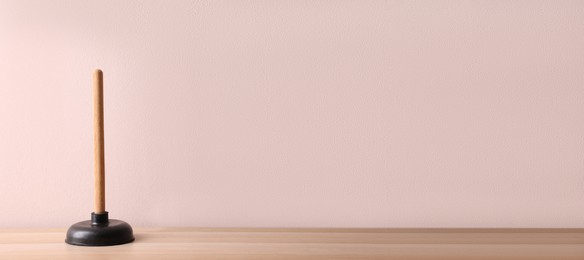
260, 243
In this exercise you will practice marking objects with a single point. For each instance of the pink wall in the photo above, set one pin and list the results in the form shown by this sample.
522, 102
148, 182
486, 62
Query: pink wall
296, 113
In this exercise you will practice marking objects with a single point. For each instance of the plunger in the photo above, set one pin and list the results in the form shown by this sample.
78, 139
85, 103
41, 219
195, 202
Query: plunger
100, 230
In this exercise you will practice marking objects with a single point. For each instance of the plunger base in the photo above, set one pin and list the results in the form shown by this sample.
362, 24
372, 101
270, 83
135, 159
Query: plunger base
100, 231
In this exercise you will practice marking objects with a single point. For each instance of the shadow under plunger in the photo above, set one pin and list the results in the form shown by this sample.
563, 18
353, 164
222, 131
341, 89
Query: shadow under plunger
100, 230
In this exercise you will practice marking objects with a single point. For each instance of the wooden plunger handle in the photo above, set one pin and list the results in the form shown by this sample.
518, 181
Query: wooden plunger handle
98, 149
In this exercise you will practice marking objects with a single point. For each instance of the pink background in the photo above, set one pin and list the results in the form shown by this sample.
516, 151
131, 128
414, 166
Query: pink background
295, 113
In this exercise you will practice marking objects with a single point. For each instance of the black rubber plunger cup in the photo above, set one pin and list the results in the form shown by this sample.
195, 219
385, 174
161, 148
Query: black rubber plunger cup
100, 230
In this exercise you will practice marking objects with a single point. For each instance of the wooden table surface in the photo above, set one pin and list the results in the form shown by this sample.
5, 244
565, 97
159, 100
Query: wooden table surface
270, 243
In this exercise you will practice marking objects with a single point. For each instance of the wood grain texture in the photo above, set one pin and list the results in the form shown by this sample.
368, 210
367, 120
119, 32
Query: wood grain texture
98, 142
266, 243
